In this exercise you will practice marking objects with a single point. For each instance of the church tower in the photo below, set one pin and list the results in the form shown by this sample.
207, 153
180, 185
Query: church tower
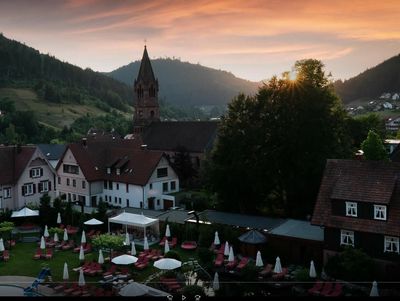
145, 96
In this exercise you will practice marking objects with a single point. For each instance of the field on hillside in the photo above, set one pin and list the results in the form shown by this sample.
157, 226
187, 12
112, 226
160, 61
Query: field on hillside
51, 114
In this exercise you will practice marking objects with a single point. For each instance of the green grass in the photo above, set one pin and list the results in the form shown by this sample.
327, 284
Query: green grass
52, 114
21, 263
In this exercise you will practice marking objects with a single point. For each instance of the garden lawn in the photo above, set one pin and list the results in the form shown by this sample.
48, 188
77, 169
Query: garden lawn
21, 263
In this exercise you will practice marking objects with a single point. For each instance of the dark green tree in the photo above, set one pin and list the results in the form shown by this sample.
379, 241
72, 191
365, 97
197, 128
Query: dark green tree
360, 126
46, 212
272, 148
373, 147
183, 165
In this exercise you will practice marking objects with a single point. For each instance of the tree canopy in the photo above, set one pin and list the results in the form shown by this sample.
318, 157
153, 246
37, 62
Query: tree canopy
373, 147
273, 146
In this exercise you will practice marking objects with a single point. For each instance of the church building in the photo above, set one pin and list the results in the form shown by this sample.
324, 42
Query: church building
195, 137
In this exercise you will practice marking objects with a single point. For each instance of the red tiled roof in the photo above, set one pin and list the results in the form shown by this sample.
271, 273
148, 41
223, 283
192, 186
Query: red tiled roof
13, 163
96, 156
363, 181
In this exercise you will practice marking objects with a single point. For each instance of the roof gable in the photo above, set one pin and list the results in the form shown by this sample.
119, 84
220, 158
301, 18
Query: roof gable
13, 161
363, 173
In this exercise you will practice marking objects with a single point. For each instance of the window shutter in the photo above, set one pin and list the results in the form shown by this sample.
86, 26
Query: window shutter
31, 173
34, 188
41, 172
49, 185
40, 186
23, 190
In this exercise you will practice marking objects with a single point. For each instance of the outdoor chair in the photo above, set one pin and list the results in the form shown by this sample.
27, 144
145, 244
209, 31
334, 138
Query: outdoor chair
6, 255
189, 245
328, 287
221, 249
231, 264
152, 253
281, 275
219, 261
87, 248
91, 233
337, 291
173, 243
71, 289
162, 241
78, 249
38, 254
111, 270
267, 270
316, 289
49, 254
61, 287
142, 264
243, 262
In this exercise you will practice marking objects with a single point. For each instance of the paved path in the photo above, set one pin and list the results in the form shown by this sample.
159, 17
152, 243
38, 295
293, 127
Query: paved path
23, 282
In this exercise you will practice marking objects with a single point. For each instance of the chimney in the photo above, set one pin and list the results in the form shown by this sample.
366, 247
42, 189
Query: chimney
143, 147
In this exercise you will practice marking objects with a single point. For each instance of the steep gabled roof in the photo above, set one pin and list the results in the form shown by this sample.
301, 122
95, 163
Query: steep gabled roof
374, 182
13, 162
52, 151
146, 74
195, 136
94, 158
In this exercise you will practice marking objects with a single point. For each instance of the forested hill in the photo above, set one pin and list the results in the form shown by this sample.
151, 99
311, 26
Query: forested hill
56, 81
187, 84
371, 83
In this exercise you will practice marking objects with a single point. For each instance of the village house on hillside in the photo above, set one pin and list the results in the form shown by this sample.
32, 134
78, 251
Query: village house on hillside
195, 137
359, 206
117, 172
25, 176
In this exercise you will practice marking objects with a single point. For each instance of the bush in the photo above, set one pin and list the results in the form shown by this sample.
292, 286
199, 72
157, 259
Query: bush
172, 254
351, 265
302, 275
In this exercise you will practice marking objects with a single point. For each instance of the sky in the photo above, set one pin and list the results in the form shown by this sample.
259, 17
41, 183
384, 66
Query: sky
253, 39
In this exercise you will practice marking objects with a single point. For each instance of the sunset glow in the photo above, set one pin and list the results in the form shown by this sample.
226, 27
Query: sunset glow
253, 39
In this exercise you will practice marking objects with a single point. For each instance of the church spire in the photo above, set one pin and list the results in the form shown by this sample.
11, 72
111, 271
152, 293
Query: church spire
146, 74
146, 95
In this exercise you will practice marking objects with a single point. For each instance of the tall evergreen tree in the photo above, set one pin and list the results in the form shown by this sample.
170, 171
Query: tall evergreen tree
373, 147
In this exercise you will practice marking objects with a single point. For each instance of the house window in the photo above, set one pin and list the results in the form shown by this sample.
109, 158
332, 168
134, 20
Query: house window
105, 184
7, 192
36, 172
151, 185
59, 180
117, 186
391, 244
69, 197
118, 172
351, 209
74, 197
108, 170
67, 181
70, 169
83, 184
158, 202
347, 238
44, 186
110, 185
165, 187
115, 200
162, 172
28, 189
73, 182
119, 200
127, 187
173, 185
141, 204
380, 212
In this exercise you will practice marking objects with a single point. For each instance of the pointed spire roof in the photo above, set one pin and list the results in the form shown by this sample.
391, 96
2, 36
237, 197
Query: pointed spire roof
146, 73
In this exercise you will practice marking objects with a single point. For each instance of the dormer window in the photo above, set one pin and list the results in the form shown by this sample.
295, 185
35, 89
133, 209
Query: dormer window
108, 170
36, 172
391, 244
118, 171
351, 209
347, 238
380, 212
